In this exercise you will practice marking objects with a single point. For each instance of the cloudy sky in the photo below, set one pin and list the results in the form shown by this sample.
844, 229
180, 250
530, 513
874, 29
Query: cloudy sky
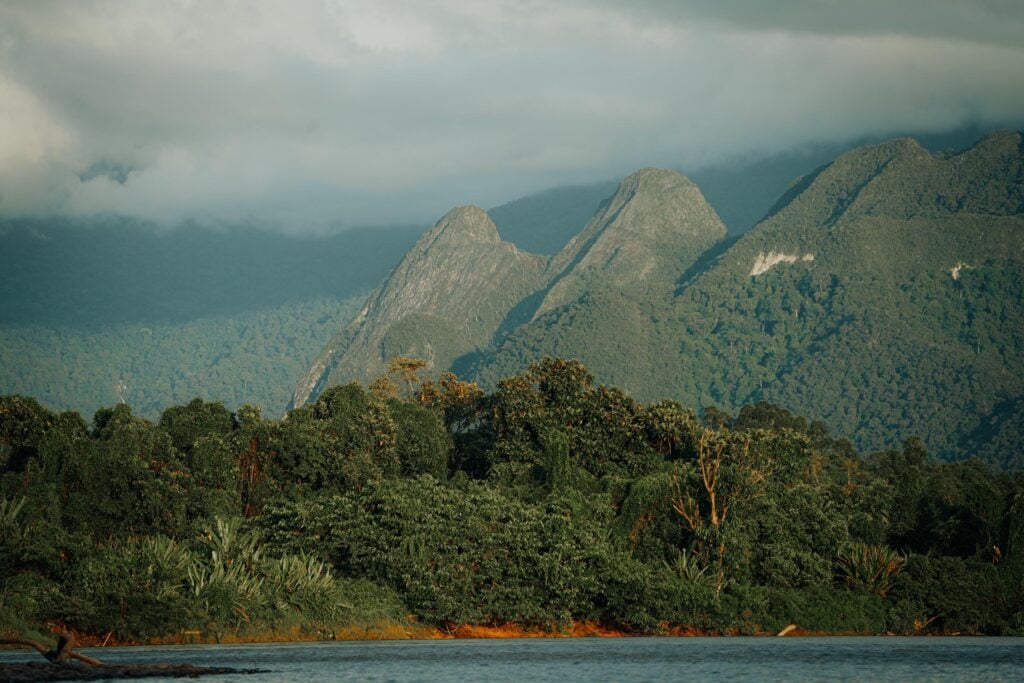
305, 114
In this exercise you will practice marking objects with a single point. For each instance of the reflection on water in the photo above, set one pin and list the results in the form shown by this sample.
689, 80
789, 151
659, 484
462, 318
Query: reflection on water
600, 659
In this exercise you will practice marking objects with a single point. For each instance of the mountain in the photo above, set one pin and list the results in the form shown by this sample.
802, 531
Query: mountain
883, 296
610, 285
446, 298
742, 190
883, 293
462, 288
654, 227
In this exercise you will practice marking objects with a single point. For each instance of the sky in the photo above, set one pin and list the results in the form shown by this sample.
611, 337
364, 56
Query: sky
320, 113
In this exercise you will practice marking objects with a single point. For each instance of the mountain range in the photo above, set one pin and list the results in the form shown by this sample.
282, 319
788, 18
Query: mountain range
882, 294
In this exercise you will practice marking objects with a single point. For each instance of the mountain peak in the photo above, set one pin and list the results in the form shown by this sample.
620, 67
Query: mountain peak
899, 146
654, 179
899, 179
446, 298
646, 236
469, 222
1001, 138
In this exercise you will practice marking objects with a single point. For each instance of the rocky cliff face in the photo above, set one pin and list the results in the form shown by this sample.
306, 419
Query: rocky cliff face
652, 229
446, 298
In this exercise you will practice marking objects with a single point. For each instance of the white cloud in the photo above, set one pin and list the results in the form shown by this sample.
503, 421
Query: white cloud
313, 112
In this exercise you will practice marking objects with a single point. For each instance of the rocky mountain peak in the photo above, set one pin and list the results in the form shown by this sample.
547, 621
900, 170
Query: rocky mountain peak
654, 180
466, 223
652, 229
446, 298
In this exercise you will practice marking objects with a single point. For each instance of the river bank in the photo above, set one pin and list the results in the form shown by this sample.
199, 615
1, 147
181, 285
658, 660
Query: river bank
414, 631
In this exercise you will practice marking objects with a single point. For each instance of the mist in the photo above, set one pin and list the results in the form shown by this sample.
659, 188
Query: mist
312, 114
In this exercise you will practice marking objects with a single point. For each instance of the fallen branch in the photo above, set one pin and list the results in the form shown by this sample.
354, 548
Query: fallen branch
63, 651
786, 631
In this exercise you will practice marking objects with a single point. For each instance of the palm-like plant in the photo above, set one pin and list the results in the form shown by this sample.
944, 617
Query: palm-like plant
303, 584
690, 570
871, 567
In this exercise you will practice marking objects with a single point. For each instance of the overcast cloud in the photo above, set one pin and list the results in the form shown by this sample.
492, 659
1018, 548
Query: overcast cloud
311, 113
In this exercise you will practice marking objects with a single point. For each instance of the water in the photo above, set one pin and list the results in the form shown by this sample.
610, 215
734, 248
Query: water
602, 659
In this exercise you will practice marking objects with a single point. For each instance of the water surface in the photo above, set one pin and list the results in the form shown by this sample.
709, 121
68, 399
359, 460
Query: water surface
601, 659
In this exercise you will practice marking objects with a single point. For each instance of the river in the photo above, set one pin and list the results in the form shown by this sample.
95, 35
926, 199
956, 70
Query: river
601, 659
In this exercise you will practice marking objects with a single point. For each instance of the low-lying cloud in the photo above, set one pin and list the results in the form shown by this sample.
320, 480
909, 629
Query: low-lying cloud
306, 114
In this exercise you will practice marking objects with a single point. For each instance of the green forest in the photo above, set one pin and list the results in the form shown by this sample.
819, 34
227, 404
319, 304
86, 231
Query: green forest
247, 357
547, 502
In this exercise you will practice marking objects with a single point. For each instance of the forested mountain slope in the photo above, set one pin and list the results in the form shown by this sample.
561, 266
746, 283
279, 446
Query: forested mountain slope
250, 357
655, 226
231, 312
883, 294
885, 297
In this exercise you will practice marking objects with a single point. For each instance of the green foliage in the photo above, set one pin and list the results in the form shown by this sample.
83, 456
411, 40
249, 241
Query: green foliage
671, 430
756, 610
133, 588
125, 478
155, 585
187, 423
22, 424
605, 428
646, 516
558, 469
360, 510
238, 357
786, 539
956, 595
870, 567
458, 556
214, 468
689, 570
422, 443
27, 601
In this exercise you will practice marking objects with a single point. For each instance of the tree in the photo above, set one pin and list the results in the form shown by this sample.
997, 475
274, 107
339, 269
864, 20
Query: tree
721, 474
22, 424
671, 430
127, 479
187, 423
422, 443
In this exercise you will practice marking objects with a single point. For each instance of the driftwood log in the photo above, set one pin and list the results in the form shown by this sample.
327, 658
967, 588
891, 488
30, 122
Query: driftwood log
59, 654
67, 668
